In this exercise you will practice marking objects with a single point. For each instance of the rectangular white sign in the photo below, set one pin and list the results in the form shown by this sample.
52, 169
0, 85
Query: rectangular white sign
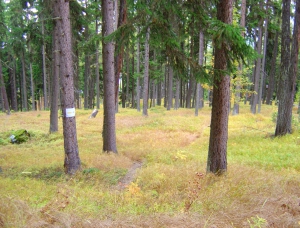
70, 112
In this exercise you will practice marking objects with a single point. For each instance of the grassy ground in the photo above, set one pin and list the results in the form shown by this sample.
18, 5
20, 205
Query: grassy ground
261, 188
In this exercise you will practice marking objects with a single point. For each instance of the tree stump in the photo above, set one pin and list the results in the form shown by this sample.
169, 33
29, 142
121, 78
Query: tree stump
94, 114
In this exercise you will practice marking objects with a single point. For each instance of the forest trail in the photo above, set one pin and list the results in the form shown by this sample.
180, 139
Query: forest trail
130, 176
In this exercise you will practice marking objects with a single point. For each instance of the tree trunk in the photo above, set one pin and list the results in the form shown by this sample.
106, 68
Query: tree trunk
72, 160
257, 70
4, 100
170, 88
138, 92
55, 73
217, 152
271, 86
13, 87
146, 74
44, 69
263, 74
97, 71
289, 67
86, 78
31, 80
24, 83
236, 106
199, 88
177, 95
109, 125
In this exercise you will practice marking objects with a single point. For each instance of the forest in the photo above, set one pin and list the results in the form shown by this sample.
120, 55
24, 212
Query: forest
125, 113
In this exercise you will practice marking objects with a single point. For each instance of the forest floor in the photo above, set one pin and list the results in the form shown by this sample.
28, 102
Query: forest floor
158, 179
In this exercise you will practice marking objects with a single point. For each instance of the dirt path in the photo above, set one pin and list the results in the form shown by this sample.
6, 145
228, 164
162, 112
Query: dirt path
130, 176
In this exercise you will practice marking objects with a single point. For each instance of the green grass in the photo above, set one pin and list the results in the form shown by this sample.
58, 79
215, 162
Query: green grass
260, 189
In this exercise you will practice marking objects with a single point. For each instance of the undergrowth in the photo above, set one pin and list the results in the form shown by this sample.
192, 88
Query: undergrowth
260, 189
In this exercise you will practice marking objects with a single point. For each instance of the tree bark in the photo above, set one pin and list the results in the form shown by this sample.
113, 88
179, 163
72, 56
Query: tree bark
236, 105
44, 69
146, 74
24, 83
170, 89
289, 67
97, 71
55, 73
72, 160
109, 128
217, 152
13, 87
138, 92
257, 70
3, 92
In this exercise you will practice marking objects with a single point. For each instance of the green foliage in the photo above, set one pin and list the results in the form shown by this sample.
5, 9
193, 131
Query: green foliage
229, 37
257, 222
20, 136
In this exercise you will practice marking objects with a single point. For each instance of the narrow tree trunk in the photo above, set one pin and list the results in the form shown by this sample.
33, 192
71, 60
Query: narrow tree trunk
146, 74
109, 125
44, 69
97, 71
199, 88
55, 74
31, 81
263, 75
170, 89
13, 87
24, 83
4, 100
72, 160
217, 152
236, 106
257, 70
271, 86
176, 106
86, 80
138, 92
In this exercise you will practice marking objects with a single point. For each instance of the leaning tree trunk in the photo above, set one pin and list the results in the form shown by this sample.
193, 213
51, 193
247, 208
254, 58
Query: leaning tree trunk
72, 160
217, 152
109, 128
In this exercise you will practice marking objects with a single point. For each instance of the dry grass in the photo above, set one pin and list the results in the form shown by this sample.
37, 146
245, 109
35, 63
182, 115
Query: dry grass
261, 188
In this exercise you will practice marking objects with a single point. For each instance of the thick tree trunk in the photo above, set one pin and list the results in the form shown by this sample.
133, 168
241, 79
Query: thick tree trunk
217, 152
109, 125
72, 160
146, 74
289, 67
